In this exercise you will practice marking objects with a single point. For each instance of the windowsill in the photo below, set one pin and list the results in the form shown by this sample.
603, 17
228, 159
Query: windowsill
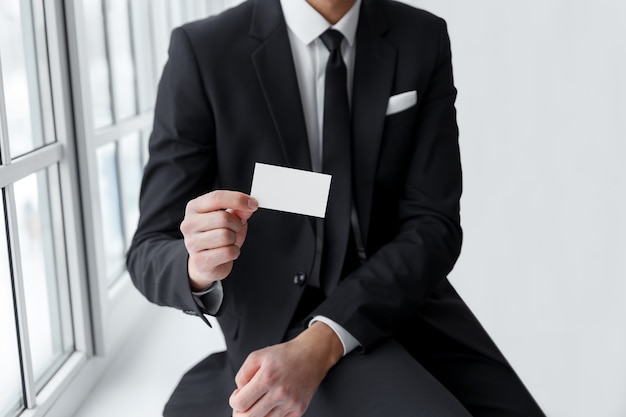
144, 372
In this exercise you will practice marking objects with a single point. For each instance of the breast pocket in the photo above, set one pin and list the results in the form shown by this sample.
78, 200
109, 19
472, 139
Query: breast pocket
401, 102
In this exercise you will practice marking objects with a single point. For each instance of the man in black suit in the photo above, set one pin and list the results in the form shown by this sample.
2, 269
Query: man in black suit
350, 316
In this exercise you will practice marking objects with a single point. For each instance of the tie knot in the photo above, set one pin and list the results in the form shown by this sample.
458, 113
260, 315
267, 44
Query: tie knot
332, 39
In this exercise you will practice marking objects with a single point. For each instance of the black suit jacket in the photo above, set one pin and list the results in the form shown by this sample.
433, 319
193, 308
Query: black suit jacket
229, 98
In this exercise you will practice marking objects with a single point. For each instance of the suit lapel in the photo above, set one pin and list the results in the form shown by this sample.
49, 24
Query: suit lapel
375, 65
275, 69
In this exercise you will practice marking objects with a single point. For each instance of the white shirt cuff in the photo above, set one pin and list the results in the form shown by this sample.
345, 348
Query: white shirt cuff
210, 300
347, 340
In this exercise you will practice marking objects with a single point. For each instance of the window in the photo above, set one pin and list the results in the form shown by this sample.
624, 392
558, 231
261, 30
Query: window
131, 39
37, 320
77, 87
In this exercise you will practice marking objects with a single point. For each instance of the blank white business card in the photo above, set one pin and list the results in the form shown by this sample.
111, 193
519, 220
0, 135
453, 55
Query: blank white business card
290, 190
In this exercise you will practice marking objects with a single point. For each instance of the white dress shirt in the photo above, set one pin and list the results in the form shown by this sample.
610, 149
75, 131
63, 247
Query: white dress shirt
304, 27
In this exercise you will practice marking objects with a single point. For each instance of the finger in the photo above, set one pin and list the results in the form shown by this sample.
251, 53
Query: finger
211, 239
251, 398
202, 222
195, 224
209, 260
222, 200
248, 392
240, 236
241, 233
247, 371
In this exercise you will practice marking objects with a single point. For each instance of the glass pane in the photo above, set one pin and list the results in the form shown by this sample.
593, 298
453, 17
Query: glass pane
131, 169
160, 32
197, 9
10, 376
146, 84
20, 79
98, 64
112, 223
47, 307
191, 10
177, 13
121, 54
211, 7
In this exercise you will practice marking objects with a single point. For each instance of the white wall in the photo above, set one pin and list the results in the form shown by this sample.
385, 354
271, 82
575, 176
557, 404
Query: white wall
542, 113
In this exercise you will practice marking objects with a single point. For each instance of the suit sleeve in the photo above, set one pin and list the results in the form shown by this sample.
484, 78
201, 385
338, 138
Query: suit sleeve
181, 167
377, 298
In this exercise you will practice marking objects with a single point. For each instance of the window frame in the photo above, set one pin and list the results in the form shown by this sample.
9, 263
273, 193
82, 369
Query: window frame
55, 157
102, 315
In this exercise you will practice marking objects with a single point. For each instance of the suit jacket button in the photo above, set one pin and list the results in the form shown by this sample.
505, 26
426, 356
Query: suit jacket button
299, 279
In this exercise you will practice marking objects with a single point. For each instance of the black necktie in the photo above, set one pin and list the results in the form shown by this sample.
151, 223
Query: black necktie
336, 161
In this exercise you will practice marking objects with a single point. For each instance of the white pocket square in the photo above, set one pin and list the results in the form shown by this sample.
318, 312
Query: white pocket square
401, 102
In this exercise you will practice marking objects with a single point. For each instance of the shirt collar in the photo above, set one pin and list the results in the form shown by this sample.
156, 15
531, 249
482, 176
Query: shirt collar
307, 24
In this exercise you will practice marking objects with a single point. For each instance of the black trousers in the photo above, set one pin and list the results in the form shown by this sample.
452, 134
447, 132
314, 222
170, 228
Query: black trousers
442, 364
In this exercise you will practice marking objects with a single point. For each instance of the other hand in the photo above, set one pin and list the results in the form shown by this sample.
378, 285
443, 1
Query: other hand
280, 381
214, 229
